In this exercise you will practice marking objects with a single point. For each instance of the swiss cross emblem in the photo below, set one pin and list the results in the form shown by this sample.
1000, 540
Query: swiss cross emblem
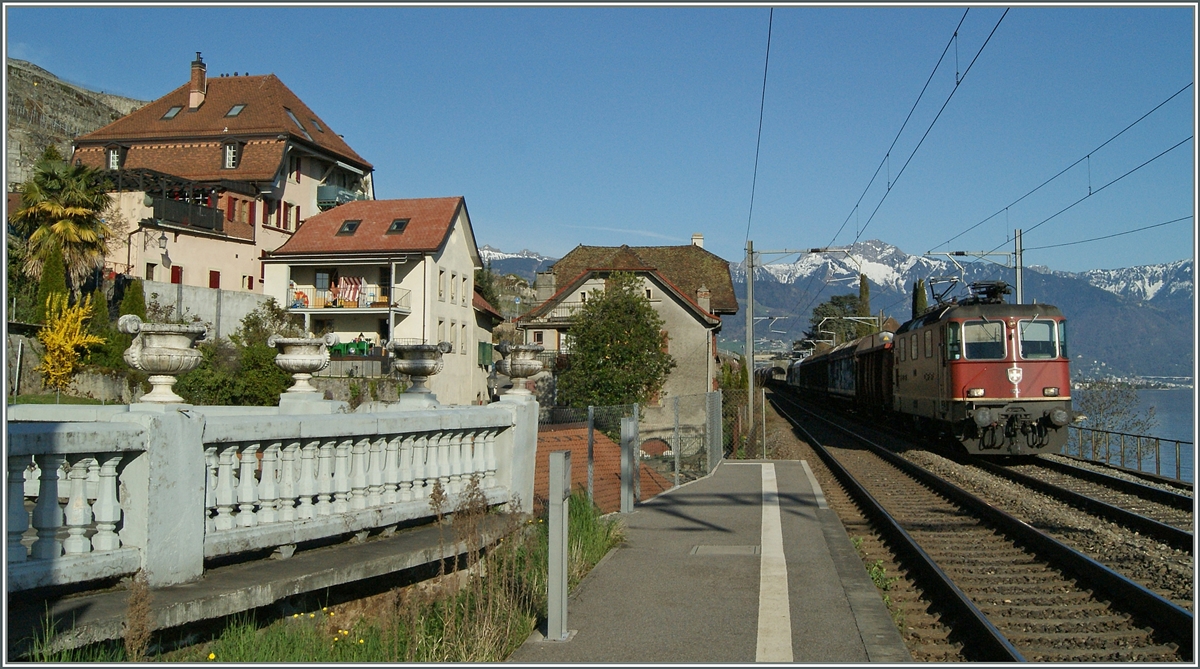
1014, 375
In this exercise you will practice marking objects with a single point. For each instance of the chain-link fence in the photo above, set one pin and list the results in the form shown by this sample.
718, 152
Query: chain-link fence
738, 438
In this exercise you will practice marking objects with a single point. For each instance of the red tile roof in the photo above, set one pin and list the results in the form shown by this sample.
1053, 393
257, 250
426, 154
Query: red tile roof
486, 307
195, 160
429, 223
685, 267
606, 471
264, 116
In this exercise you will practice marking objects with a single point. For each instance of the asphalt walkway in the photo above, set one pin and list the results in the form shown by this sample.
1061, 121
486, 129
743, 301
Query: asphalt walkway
746, 565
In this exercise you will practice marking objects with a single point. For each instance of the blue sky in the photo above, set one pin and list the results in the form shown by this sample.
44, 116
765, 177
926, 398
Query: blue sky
637, 125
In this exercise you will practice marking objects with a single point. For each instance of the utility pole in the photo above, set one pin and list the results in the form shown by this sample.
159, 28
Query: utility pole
749, 337
1019, 264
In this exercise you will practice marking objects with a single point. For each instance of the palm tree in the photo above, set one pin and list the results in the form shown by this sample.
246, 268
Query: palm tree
62, 210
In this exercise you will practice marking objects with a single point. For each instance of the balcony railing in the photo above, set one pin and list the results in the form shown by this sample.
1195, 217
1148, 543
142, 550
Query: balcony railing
181, 212
331, 196
563, 312
368, 297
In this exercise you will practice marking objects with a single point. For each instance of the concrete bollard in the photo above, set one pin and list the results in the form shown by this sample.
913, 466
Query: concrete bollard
560, 494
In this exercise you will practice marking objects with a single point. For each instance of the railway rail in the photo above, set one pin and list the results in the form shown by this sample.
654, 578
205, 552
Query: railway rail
1012, 591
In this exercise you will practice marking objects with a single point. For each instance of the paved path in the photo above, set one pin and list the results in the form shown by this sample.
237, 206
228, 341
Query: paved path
746, 565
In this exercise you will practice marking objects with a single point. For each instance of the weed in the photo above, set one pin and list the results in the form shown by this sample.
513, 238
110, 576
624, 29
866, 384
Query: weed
137, 619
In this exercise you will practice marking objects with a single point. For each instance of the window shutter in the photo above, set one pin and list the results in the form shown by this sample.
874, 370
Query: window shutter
253, 208
286, 219
229, 208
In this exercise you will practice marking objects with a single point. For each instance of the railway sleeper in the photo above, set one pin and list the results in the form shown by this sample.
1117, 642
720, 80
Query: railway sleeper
1098, 640
1036, 626
1147, 654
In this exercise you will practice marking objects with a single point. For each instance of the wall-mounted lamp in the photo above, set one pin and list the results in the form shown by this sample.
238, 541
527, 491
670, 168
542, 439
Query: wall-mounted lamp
162, 241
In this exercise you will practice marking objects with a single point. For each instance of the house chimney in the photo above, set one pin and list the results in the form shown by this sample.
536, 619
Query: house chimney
704, 295
199, 84
545, 286
698, 239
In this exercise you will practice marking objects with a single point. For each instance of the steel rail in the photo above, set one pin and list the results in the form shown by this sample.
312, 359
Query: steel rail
1171, 616
992, 646
1147, 492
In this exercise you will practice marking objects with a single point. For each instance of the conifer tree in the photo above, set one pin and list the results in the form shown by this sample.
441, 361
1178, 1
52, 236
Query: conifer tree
864, 304
54, 280
134, 301
919, 303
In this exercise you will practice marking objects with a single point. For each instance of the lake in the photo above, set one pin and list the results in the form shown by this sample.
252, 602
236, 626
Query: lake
1176, 412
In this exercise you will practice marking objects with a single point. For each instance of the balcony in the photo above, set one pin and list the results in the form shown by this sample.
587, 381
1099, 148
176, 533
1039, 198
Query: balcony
329, 197
565, 311
369, 298
182, 212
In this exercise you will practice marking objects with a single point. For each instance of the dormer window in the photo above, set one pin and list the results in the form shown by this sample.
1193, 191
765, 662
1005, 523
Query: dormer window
235, 110
232, 153
115, 158
397, 226
172, 112
348, 227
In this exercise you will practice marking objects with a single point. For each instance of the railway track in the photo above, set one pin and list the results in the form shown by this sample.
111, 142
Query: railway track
1008, 591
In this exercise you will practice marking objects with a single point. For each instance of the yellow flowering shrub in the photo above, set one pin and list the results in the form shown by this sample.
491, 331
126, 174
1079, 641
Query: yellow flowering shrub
64, 334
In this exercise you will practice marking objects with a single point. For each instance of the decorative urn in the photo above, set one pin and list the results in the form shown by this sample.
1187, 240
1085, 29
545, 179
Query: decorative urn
418, 360
519, 363
301, 357
162, 350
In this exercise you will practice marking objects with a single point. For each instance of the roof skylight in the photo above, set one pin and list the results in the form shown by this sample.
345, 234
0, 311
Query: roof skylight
235, 110
317, 125
298, 124
397, 226
172, 112
348, 228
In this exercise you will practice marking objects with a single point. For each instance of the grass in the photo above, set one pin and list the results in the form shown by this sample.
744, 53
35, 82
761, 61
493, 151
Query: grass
481, 613
882, 581
51, 398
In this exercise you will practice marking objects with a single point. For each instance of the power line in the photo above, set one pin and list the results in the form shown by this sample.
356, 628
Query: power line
761, 106
1117, 234
1067, 168
1091, 193
957, 83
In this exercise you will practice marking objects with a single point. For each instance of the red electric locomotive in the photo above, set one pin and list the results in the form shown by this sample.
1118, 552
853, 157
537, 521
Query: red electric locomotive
993, 375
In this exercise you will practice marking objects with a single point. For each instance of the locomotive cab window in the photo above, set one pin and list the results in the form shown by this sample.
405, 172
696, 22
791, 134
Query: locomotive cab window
900, 347
953, 341
1062, 339
1037, 340
984, 340
929, 343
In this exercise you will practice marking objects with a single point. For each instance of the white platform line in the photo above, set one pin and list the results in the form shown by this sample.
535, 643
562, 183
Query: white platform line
774, 610
812, 480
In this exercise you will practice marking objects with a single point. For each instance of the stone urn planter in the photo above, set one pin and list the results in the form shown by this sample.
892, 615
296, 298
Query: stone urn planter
164, 351
519, 363
419, 361
301, 356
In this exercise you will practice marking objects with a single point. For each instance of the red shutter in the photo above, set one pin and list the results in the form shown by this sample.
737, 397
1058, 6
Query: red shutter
176, 274
253, 207
250, 283
214, 278
212, 200
229, 204
287, 216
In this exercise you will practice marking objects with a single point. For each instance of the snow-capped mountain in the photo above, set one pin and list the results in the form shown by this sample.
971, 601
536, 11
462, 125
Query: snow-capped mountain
525, 263
1146, 282
491, 253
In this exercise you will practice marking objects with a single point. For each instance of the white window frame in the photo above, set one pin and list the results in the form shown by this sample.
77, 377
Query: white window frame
231, 156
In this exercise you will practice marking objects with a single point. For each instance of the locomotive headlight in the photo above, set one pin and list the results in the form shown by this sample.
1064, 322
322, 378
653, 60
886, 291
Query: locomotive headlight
1050, 392
1059, 417
974, 392
983, 417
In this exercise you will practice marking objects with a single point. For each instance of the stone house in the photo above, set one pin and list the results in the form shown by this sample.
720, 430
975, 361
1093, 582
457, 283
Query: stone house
689, 287
388, 269
217, 173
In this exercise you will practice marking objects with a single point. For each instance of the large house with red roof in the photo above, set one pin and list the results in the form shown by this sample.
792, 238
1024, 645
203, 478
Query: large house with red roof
402, 269
217, 173
689, 287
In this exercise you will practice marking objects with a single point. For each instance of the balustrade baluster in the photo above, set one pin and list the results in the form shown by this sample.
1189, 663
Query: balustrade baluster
226, 493
325, 478
247, 491
78, 513
431, 463
287, 482
341, 477
375, 473
47, 514
107, 508
408, 467
443, 462
307, 485
391, 470
93, 479
358, 474
454, 484
18, 517
211, 462
489, 479
268, 486
478, 464
33, 479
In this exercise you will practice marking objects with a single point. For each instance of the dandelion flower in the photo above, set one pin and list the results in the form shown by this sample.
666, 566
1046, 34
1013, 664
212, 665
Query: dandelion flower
324, 608
212, 656
360, 640
312, 615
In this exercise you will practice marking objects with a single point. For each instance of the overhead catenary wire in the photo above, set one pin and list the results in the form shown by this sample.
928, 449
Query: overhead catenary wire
1115, 234
762, 104
1087, 156
958, 81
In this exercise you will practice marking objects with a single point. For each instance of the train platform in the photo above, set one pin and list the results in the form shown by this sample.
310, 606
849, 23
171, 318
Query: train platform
745, 565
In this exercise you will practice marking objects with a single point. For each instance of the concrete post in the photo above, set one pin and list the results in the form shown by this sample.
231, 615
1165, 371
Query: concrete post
628, 455
715, 436
524, 448
591, 450
676, 444
560, 493
171, 535
637, 456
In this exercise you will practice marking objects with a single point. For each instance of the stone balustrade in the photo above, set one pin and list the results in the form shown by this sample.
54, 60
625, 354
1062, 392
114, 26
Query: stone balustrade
98, 492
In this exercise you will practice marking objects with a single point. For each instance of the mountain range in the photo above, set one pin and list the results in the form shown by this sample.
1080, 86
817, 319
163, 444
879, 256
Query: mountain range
1129, 322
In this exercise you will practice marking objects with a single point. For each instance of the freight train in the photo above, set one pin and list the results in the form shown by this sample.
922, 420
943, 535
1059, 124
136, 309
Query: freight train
993, 376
